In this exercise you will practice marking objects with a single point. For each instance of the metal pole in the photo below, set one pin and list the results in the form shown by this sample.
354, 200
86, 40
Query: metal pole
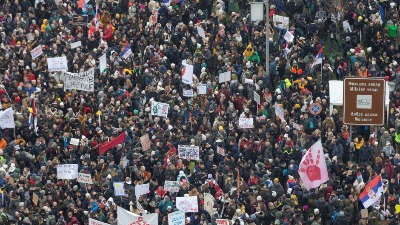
267, 37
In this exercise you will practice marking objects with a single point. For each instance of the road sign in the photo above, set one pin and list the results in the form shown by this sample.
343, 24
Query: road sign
315, 109
364, 101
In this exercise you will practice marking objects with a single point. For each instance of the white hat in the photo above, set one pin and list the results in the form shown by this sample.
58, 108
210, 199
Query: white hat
109, 176
259, 198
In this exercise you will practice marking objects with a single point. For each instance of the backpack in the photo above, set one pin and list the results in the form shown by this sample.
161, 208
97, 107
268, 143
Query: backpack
311, 124
334, 217
4, 219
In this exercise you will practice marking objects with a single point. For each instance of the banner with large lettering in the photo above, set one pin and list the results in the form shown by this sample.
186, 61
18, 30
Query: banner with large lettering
83, 81
96, 222
125, 217
176, 218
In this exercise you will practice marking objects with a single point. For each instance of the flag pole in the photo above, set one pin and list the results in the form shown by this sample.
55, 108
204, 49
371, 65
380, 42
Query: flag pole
321, 70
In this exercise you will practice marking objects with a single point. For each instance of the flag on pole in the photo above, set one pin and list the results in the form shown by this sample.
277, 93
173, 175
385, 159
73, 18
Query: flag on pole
81, 3
106, 146
318, 58
372, 192
97, 17
312, 170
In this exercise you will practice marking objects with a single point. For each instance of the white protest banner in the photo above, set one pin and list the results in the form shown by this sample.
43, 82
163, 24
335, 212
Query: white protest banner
222, 222
346, 25
221, 151
187, 204
188, 152
36, 52
159, 109
83, 81
142, 189
176, 218
29, 37
288, 36
67, 171
248, 81
201, 32
280, 112
281, 22
74, 141
296, 126
257, 97
223, 77
145, 141
57, 64
124, 217
119, 189
202, 89
209, 202
84, 178
7, 118
76, 44
96, 222
171, 186
246, 122
103, 62
188, 92
187, 73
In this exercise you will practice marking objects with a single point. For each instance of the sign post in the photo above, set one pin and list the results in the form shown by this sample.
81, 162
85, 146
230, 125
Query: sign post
364, 101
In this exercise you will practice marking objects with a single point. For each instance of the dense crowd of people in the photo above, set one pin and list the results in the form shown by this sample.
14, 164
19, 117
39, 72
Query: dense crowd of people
257, 180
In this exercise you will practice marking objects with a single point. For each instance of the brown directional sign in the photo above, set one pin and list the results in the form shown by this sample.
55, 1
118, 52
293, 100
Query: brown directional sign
364, 101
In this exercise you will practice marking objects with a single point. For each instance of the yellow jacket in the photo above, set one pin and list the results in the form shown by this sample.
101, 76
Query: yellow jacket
359, 144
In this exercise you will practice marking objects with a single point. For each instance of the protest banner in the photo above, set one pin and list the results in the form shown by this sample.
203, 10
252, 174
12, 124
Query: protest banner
246, 122
176, 218
85, 178
119, 189
188, 93
222, 222
113, 142
209, 202
280, 112
221, 151
35, 199
159, 109
346, 26
289, 37
74, 141
36, 52
142, 189
76, 44
171, 186
187, 204
145, 141
57, 64
103, 62
296, 126
202, 89
83, 81
67, 171
188, 152
223, 77
201, 32
96, 222
124, 217
257, 97
187, 73
281, 22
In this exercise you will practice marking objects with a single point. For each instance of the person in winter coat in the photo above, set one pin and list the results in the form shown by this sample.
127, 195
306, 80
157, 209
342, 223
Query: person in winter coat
388, 150
164, 204
366, 153
337, 149
384, 139
277, 187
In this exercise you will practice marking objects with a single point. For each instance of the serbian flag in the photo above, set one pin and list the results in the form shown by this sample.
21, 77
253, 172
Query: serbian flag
106, 146
312, 170
372, 192
318, 58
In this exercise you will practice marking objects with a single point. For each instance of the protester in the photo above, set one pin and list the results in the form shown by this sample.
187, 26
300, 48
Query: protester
183, 95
